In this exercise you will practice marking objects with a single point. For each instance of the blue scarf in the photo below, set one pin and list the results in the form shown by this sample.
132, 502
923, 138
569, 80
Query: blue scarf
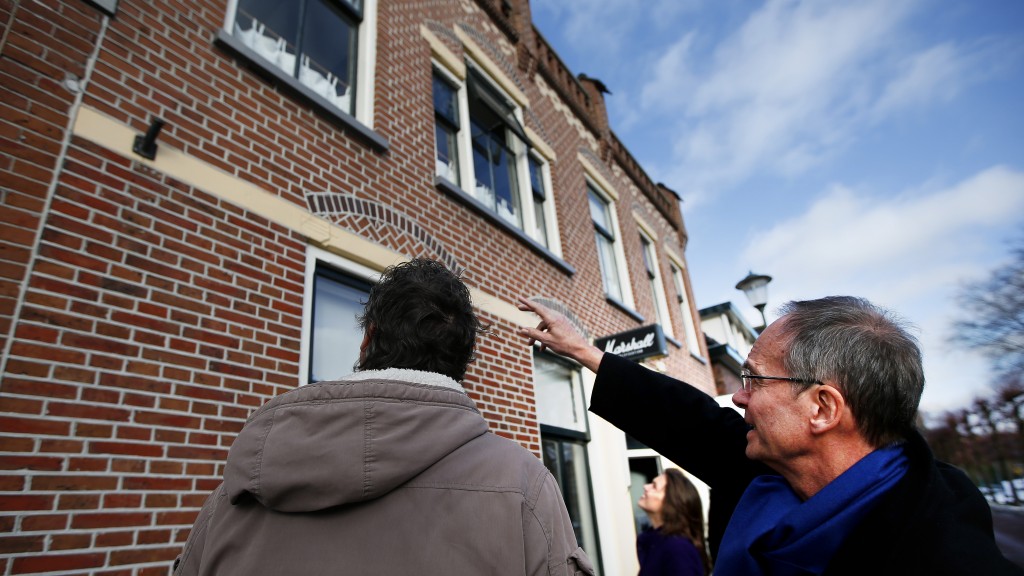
772, 532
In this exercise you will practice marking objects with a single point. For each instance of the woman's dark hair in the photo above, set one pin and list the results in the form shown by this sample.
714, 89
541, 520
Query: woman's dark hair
419, 316
682, 513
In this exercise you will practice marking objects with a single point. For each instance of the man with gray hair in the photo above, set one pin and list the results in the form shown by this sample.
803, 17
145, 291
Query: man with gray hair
826, 472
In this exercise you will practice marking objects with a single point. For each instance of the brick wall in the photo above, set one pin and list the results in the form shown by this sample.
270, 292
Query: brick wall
144, 317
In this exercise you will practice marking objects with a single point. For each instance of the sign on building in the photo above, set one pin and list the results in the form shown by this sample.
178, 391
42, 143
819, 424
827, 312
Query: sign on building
637, 344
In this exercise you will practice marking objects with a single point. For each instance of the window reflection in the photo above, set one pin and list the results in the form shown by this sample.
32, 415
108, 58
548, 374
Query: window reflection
334, 344
313, 41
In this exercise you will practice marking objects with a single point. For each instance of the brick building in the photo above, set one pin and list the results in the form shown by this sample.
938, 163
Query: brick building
154, 291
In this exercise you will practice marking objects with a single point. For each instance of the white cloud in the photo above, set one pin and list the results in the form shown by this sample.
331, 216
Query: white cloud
845, 235
795, 85
909, 252
611, 27
928, 75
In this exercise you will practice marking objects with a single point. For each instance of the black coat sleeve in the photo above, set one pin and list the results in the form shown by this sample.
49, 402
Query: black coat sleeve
683, 424
678, 421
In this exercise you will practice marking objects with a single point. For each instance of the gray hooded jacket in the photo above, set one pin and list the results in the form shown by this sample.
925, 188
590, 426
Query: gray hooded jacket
384, 472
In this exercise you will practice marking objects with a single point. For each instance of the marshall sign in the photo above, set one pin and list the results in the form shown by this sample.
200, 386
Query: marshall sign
637, 344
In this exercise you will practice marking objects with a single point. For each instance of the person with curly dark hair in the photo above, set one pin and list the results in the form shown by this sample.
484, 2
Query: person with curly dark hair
673, 545
419, 316
390, 470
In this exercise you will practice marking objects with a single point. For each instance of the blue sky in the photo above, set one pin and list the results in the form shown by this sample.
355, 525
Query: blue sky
872, 148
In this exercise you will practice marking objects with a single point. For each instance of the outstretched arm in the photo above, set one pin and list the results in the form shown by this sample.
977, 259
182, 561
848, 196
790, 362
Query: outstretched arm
556, 333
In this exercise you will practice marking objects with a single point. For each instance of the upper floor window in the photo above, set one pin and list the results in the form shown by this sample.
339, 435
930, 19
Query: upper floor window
313, 41
650, 257
498, 139
538, 179
446, 128
684, 308
604, 233
491, 161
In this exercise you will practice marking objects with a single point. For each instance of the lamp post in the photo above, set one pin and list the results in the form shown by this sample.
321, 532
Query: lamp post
755, 286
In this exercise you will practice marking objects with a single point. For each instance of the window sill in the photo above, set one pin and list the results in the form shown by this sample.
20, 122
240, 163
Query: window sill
549, 430
674, 342
269, 71
629, 311
461, 196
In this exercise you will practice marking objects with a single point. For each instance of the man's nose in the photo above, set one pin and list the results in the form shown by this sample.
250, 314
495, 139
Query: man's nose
740, 398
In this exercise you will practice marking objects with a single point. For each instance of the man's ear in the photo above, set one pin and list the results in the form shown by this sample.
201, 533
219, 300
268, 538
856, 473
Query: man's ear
367, 335
829, 408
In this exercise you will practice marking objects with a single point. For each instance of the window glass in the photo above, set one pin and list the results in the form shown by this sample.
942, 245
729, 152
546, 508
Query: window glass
446, 105
559, 392
313, 41
684, 308
539, 196
646, 252
561, 411
496, 135
567, 461
605, 245
493, 163
650, 260
329, 53
609, 268
599, 212
334, 344
446, 121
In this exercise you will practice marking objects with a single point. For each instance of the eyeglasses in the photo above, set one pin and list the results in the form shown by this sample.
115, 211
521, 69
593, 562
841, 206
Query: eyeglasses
748, 380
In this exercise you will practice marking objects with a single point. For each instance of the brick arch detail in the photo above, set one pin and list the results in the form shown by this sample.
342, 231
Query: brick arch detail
564, 310
381, 224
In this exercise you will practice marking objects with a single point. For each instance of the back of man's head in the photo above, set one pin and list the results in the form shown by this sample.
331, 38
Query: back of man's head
419, 316
864, 349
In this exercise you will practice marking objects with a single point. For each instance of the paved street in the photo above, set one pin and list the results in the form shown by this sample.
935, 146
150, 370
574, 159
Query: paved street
1009, 527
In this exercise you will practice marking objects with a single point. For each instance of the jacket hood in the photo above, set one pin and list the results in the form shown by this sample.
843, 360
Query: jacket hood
354, 439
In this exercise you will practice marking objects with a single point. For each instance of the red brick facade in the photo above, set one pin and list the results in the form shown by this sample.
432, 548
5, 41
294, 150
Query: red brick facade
143, 317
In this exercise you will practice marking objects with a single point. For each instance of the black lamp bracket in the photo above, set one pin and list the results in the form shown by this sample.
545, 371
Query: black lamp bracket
145, 145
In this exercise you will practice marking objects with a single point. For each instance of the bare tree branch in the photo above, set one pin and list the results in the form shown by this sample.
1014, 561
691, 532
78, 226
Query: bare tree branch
992, 315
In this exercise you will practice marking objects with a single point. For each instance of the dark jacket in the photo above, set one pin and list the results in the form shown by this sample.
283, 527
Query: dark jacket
663, 555
385, 472
934, 522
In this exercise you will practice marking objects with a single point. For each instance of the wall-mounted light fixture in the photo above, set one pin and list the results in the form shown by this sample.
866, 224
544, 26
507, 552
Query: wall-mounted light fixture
145, 145
755, 286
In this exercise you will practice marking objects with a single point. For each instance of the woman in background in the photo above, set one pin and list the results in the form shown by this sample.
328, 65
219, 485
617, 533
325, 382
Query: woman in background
674, 545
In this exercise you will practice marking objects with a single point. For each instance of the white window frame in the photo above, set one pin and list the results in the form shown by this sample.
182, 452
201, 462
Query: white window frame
521, 151
657, 285
683, 298
314, 257
579, 437
554, 243
365, 60
617, 250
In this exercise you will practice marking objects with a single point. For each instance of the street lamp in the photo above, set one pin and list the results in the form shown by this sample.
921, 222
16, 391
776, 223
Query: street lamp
755, 286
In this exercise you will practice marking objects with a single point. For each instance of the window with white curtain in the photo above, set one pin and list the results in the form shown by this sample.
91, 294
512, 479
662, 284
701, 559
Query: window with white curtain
482, 148
314, 41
